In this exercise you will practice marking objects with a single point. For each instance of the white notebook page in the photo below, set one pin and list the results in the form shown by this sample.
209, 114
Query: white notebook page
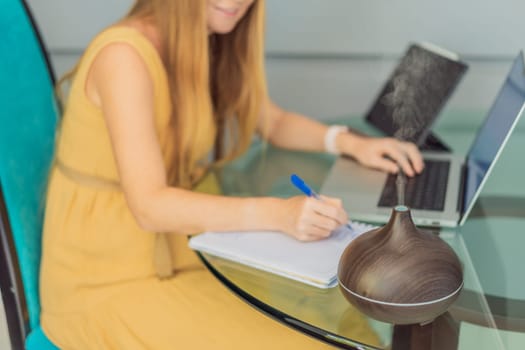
314, 263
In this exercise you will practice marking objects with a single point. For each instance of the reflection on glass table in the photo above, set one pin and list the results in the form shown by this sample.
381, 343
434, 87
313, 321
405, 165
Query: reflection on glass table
489, 312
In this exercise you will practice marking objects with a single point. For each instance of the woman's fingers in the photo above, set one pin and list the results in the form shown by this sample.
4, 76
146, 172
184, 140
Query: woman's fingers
403, 155
323, 216
318, 218
332, 208
386, 164
386, 153
400, 158
415, 157
312, 233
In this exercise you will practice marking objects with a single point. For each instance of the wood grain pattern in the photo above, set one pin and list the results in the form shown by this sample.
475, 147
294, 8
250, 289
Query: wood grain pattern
399, 274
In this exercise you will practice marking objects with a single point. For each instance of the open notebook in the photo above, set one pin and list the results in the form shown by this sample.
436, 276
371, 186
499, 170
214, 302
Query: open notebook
314, 263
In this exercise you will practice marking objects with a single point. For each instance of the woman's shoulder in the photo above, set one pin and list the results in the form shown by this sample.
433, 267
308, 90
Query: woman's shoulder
114, 50
120, 33
119, 40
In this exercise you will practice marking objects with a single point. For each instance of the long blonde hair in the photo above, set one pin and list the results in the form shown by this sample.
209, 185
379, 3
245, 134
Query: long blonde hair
210, 76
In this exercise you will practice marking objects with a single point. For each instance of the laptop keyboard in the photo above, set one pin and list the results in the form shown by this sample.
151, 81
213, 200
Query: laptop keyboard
424, 191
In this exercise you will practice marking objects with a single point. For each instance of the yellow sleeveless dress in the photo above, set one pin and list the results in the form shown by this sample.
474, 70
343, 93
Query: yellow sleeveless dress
98, 285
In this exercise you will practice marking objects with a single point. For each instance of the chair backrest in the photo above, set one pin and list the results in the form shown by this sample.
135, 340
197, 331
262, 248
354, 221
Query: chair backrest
27, 131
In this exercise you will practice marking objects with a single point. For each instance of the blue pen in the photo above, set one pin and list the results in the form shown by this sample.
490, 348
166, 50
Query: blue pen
300, 184
307, 190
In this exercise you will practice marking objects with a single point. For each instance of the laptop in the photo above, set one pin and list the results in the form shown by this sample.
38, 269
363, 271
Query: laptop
453, 182
435, 72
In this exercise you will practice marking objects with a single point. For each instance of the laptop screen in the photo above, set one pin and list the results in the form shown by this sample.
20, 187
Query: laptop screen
494, 132
415, 92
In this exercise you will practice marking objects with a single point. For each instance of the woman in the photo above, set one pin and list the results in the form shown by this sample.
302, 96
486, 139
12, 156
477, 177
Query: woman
149, 99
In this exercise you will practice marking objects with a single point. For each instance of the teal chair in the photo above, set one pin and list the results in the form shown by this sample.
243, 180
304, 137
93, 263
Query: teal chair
27, 130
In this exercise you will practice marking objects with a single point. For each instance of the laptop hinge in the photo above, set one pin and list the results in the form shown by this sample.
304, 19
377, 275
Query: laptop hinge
433, 143
462, 183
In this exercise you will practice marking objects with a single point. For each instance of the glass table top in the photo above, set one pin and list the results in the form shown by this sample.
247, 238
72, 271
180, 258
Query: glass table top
490, 311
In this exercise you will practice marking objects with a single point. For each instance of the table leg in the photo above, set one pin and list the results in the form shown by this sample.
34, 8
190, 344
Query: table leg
441, 334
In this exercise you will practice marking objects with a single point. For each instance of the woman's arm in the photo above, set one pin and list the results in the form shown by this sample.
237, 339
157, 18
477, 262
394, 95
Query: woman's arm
120, 84
294, 131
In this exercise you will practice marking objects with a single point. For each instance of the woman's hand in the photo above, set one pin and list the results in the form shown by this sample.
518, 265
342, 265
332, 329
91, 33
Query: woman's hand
311, 219
387, 154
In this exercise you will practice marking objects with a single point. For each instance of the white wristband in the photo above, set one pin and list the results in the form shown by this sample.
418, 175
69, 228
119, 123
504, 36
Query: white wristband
330, 137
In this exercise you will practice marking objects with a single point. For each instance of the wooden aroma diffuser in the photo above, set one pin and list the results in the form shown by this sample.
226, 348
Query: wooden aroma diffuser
399, 274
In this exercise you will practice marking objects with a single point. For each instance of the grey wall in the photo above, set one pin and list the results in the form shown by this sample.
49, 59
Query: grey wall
329, 58
473, 27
